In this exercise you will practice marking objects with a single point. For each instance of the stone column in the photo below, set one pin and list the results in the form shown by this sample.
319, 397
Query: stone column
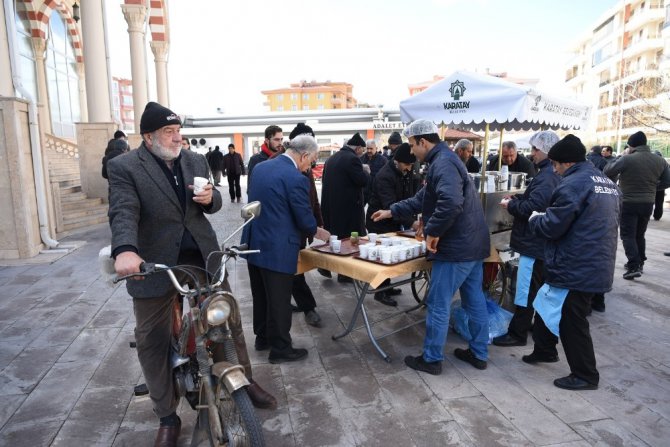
160, 50
6, 85
136, 16
83, 105
42, 100
93, 41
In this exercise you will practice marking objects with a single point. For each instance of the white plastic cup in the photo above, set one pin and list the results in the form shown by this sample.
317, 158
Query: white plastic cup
402, 254
386, 255
416, 250
386, 242
337, 246
199, 184
423, 247
363, 250
372, 237
395, 254
330, 242
373, 252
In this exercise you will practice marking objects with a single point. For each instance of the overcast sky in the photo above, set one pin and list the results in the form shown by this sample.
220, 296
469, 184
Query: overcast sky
224, 52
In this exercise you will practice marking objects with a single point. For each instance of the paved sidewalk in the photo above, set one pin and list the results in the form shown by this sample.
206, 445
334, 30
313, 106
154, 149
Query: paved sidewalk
67, 373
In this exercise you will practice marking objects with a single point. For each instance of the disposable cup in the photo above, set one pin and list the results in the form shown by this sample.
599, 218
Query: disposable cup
402, 254
199, 184
372, 237
386, 255
337, 246
363, 250
373, 252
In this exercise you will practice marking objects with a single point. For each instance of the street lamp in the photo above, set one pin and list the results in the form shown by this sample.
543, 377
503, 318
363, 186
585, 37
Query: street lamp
75, 12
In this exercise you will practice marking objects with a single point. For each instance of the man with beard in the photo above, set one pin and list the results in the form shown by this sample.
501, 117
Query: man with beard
463, 149
155, 215
274, 139
375, 161
511, 158
344, 177
393, 183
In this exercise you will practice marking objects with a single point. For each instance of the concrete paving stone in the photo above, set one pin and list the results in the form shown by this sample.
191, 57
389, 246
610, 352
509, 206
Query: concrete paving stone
56, 394
29, 433
483, 423
528, 415
412, 401
27, 369
57, 336
58, 300
538, 382
10, 403
11, 309
640, 386
79, 314
120, 367
20, 334
277, 429
95, 418
606, 432
8, 352
305, 376
444, 433
571, 444
91, 344
316, 420
269, 377
451, 384
24, 279
353, 385
376, 425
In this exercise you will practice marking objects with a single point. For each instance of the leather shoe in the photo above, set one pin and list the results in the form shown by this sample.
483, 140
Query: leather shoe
287, 355
324, 272
534, 357
419, 364
167, 436
261, 398
385, 299
467, 356
574, 383
667, 253
295, 309
312, 318
508, 340
394, 291
344, 279
261, 344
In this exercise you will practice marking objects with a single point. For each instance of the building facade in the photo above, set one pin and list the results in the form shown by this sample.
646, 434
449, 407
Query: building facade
620, 68
122, 104
311, 96
53, 58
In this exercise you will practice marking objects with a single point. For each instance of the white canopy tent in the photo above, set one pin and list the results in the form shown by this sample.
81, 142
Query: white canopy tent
472, 100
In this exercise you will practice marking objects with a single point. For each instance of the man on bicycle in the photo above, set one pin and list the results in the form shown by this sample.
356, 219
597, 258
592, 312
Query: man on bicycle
156, 216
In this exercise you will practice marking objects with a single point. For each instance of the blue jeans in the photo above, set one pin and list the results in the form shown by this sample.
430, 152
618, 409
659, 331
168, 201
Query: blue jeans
446, 278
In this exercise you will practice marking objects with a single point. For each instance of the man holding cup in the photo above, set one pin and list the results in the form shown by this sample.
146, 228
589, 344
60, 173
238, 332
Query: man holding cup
457, 240
156, 215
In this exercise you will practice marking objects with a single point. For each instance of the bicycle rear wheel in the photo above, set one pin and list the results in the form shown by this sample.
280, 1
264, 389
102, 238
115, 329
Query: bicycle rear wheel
420, 287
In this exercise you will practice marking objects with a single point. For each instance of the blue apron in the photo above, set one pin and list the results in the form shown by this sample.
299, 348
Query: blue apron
523, 277
549, 304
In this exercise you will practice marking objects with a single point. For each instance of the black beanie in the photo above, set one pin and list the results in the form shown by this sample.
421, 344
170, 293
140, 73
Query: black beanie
569, 149
119, 134
300, 128
395, 138
403, 154
356, 141
156, 116
637, 139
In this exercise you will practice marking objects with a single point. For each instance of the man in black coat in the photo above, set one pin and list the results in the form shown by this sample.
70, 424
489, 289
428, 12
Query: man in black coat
216, 164
514, 162
233, 168
595, 157
393, 183
376, 161
344, 177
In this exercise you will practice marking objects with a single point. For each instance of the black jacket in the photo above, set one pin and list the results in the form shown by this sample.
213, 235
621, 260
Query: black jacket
580, 227
390, 186
536, 198
216, 160
342, 193
233, 164
521, 164
597, 159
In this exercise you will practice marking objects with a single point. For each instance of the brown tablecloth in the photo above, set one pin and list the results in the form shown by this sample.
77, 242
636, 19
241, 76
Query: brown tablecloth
365, 271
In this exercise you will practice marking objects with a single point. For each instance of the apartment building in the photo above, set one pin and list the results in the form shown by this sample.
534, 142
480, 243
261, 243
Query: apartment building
122, 104
311, 96
620, 68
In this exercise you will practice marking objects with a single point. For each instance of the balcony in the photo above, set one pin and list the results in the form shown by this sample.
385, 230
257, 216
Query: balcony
645, 16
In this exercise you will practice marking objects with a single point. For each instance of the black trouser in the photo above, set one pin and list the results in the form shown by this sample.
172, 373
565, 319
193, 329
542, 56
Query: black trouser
575, 336
634, 220
598, 298
271, 293
522, 321
234, 187
658, 204
302, 294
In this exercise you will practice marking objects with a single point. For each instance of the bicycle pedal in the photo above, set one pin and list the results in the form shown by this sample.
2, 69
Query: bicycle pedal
141, 390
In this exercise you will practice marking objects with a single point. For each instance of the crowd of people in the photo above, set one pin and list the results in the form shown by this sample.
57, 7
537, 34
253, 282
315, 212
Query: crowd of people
565, 229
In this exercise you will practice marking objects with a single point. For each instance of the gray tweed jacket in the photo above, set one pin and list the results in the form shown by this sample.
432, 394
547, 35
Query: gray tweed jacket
144, 211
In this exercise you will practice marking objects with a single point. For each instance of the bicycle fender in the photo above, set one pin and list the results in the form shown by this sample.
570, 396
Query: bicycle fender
232, 376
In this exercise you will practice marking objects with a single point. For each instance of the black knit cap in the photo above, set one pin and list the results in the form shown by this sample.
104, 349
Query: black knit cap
569, 149
356, 140
637, 139
395, 138
300, 128
403, 154
119, 134
155, 116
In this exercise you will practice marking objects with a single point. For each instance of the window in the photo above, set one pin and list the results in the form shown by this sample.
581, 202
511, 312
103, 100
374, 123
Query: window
294, 96
305, 107
26, 60
280, 97
62, 79
305, 96
319, 96
280, 108
321, 107
294, 107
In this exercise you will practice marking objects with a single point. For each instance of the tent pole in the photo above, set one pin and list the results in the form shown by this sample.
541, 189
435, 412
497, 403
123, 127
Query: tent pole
500, 149
485, 155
